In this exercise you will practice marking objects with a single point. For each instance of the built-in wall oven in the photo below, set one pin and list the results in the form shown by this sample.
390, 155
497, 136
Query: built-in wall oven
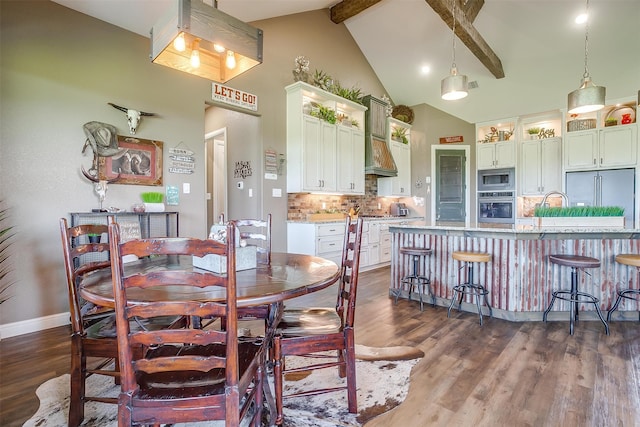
497, 196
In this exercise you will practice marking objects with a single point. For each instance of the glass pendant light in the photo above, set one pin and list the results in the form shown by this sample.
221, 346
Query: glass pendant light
588, 97
454, 86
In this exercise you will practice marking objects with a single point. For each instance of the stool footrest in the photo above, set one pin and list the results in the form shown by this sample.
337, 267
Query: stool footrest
586, 298
469, 289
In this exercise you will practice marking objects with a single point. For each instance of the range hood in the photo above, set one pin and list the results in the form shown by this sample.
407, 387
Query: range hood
378, 158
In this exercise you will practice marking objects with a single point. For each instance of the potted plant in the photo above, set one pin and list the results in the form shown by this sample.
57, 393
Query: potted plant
611, 121
400, 135
580, 216
533, 132
94, 237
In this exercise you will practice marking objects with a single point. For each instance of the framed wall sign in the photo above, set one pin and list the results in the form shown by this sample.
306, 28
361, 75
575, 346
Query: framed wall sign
139, 162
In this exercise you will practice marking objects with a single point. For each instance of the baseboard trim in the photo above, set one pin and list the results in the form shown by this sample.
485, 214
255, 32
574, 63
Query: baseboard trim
9, 330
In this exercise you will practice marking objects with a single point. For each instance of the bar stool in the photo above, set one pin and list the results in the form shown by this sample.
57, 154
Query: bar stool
415, 279
634, 261
576, 262
469, 287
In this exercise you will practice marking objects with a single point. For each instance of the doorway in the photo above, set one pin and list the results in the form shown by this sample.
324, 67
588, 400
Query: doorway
450, 198
216, 166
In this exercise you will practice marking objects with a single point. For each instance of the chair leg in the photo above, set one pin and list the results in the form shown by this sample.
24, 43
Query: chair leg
278, 378
546, 312
77, 386
350, 362
615, 307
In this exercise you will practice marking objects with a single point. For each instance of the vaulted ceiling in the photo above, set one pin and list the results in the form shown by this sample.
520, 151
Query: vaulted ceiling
535, 44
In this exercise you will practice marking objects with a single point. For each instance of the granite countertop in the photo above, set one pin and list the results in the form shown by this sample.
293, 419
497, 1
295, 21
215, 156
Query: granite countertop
524, 232
366, 218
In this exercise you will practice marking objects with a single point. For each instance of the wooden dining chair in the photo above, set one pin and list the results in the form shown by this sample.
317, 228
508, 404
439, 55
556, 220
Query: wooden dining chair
188, 374
309, 331
93, 328
257, 232
93, 333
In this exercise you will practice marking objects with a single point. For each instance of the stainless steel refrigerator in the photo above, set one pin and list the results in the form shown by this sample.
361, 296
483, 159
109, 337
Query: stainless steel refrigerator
614, 187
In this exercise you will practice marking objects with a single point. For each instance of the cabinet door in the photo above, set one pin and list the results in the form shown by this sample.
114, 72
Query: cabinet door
357, 141
505, 155
485, 154
402, 156
350, 159
580, 149
618, 146
327, 151
550, 165
311, 154
530, 168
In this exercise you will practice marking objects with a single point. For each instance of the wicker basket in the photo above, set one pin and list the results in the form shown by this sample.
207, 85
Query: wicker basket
580, 124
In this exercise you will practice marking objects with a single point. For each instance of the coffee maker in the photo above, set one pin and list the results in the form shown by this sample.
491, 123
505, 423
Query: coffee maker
398, 209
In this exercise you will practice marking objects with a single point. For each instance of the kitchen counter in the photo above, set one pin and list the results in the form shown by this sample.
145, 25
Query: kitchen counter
407, 219
519, 277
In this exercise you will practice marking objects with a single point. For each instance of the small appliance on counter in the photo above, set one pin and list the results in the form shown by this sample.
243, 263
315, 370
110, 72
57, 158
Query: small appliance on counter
398, 209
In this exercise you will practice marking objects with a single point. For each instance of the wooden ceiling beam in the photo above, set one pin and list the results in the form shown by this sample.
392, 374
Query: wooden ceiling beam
472, 8
349, 8
467, 33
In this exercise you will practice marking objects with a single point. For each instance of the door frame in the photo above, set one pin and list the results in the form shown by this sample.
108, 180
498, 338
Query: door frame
216, 135
467, 180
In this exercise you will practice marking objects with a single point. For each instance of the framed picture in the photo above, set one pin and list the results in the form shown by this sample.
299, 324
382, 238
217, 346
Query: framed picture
139, 162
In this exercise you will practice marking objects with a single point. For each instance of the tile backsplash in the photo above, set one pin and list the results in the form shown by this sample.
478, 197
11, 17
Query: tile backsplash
301, 204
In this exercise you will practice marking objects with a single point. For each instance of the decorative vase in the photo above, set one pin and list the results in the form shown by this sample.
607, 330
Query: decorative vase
300, 76
94, 238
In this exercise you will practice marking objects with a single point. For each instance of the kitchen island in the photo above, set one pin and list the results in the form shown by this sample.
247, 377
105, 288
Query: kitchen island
519, 278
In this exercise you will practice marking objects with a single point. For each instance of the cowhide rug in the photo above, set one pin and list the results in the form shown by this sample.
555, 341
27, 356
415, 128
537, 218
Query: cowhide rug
382, 385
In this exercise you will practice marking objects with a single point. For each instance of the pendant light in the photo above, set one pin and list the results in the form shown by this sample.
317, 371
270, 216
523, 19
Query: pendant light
454, 86
588, 97
199, 39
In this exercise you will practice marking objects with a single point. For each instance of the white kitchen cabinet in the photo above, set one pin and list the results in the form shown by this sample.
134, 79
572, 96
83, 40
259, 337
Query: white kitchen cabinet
540, 166
399, 140
321, 239
496, 155
350, 158
606, 148
312, 140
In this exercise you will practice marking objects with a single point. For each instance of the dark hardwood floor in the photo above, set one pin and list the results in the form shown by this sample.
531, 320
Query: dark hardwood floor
500, 374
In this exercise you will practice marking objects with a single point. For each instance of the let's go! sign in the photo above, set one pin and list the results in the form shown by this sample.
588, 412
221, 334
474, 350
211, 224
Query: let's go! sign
231, 96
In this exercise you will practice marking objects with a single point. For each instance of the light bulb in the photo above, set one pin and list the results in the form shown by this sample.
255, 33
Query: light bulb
195, 54
179, 43
231, 60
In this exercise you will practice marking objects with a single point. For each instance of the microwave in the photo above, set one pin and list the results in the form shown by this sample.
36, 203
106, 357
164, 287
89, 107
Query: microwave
497, 180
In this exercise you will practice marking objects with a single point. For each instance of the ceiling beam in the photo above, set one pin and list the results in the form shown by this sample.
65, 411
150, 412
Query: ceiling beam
467, 33
471, 9
349, 8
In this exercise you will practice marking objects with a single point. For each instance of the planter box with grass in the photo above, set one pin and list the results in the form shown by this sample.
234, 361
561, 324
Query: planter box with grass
579, 217
153, 201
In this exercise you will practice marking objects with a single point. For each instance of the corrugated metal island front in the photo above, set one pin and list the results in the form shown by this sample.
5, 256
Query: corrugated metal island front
520, 278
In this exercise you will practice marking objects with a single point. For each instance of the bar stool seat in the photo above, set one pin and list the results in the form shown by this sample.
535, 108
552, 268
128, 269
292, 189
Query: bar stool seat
423, 282
573, 296
632, 260
469, 287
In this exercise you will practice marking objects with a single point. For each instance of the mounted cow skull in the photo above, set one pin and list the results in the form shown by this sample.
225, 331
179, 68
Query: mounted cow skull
133, 117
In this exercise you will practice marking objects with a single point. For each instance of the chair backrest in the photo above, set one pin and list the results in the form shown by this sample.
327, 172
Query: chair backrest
257, 232
226, 309
348, 283
81, 257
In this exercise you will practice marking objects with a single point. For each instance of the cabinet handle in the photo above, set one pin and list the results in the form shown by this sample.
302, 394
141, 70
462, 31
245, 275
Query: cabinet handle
601, 161
594, 161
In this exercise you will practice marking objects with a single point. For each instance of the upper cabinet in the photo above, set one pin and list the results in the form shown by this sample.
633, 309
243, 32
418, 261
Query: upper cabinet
399, 137
324, 138
540, 154
602, 140
496, 146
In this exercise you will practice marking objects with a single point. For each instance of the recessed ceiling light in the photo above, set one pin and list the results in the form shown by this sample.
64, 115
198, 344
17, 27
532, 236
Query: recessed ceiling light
425, 69
582, 18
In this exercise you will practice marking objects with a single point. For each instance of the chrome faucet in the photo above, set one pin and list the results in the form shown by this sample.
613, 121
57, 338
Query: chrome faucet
565, 198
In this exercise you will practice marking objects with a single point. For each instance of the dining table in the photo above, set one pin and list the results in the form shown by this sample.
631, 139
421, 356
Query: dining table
287, 276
